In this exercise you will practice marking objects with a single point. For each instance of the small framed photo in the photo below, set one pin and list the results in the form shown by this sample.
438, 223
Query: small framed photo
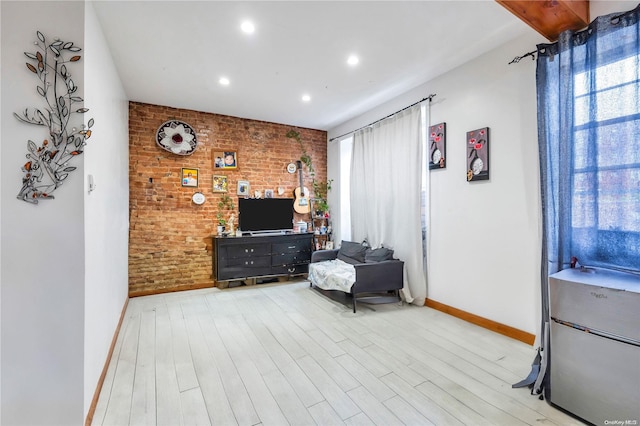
329, 245
190, 177
220, 184
243, 188
225, 160
268, 193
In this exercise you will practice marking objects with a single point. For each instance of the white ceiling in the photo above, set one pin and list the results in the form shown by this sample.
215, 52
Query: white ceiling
173, 52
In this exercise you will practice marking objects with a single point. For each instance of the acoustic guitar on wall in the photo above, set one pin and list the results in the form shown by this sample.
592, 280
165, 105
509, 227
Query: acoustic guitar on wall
301, 203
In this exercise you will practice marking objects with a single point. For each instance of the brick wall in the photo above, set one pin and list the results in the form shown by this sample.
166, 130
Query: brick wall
170, 236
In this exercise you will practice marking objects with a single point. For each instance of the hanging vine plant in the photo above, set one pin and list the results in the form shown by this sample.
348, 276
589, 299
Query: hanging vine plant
47, 165
305, 157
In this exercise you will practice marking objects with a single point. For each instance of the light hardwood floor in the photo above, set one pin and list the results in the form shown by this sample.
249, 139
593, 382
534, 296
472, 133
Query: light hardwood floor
278, 354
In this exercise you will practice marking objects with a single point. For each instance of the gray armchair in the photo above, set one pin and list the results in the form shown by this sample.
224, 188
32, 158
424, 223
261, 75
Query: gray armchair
375, 281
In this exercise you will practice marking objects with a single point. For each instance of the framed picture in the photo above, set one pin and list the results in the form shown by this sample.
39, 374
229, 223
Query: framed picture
437, 146
478, 154
225, 160
190, 177
243, 187
220, 184
268, 193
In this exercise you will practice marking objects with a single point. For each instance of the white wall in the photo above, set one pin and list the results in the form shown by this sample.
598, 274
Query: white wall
43, 257
0, 222
107, 208
604, 7
485, 237
64, 277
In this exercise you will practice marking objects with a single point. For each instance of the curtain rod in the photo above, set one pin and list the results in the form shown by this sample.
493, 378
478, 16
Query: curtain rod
518, 58
429, 98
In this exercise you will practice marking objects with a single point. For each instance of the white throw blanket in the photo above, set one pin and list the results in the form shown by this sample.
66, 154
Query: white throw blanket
332, 275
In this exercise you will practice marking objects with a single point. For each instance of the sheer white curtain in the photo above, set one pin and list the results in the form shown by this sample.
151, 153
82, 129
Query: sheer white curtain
386, 193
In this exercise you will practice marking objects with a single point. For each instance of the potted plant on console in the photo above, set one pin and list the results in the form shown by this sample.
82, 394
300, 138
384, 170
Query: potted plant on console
225, 204
320, 204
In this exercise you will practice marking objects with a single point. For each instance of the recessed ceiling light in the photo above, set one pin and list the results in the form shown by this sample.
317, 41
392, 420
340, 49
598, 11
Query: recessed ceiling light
224, 81
353, 60
248, 27
306, 98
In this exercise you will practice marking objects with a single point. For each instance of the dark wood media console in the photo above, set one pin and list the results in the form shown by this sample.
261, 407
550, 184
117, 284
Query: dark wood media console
249, 257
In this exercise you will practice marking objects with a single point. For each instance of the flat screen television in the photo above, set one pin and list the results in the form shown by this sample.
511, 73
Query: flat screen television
265, 214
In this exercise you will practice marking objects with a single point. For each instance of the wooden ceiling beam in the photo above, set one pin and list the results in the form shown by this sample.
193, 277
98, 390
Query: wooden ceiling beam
550, 17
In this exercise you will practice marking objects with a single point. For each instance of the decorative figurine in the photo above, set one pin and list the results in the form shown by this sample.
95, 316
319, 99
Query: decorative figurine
231, 229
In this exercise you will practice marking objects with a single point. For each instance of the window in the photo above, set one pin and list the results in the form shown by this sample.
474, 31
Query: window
588, 86
424, 202
346, 146
605, 206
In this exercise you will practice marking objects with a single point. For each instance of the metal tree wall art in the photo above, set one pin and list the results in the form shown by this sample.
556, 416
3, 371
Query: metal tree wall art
47, 165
